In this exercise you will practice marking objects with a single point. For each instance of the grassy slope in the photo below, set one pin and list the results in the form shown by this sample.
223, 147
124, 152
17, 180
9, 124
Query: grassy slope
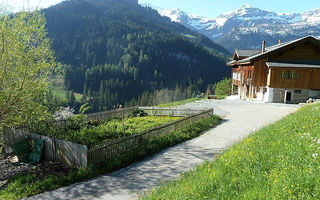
182, 102
57, 88
28, 185
280, 161
178, 103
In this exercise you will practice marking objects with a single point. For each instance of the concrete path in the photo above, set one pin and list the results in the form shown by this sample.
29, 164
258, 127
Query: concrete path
242, 118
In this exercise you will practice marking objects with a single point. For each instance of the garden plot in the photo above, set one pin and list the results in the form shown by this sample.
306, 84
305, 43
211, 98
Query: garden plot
96, 132
110, 143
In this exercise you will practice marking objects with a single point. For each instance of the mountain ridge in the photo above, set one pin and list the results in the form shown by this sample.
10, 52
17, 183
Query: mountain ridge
249, 24
117, 52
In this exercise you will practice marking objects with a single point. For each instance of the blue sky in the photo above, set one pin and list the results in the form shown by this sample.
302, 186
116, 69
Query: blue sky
208, 8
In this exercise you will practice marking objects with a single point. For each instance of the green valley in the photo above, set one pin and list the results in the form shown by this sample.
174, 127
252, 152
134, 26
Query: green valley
118, 52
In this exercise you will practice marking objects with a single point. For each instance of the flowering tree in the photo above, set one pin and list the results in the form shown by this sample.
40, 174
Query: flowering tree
26, 62
63, 113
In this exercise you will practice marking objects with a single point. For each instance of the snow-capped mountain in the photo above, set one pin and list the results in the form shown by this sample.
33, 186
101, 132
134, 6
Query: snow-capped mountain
247, 26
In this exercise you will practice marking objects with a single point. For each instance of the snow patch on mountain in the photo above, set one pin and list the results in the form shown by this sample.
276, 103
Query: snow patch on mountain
312, 17
249, 24
247, 15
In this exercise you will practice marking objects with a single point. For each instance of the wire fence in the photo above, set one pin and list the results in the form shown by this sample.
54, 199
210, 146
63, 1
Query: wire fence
177, 112
121, 113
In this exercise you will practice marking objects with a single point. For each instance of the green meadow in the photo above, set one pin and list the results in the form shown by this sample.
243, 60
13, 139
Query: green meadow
280, 161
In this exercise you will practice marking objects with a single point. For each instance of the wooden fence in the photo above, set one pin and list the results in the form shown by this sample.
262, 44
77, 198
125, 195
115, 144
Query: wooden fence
178, 112
111, 114
102, 153
72, 154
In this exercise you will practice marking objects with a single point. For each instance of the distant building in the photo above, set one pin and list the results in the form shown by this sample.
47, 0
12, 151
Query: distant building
286, 73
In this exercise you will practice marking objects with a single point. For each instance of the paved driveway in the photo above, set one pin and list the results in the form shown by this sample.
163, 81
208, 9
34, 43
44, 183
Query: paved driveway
242, 118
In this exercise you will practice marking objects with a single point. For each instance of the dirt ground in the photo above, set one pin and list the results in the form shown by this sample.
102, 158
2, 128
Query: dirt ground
10, 168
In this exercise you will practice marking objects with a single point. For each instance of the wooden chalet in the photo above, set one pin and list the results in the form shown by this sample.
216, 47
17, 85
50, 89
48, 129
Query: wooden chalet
288, 72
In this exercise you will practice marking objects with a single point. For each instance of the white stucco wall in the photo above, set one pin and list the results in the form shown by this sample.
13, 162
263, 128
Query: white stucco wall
314, 93
277, 95
259, 95
268, 97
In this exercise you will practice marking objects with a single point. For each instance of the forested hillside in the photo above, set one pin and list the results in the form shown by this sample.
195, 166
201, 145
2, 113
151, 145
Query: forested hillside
117, 51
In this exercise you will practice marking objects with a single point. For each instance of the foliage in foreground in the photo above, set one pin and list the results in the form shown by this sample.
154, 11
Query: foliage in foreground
93, 133
26, 61
178, 103
27, 185
280, 161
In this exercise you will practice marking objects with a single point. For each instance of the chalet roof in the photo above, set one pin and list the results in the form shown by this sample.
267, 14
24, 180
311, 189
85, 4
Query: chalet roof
274, 49
231, 63
295, 64
246, 52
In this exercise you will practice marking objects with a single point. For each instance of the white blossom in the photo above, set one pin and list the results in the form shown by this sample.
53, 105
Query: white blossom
63, 113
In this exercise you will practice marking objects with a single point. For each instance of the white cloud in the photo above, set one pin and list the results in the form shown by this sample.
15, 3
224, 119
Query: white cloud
19, 5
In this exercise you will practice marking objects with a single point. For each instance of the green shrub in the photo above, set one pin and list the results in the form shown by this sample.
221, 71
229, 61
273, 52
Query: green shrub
223, 87
138, 113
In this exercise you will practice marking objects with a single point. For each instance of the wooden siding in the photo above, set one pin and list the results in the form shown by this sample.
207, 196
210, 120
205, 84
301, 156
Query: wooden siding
247, 72
315, 82
306, 79
307, 51
260, 73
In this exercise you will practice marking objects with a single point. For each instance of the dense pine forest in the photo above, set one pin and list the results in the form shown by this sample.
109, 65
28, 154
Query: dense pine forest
118, 52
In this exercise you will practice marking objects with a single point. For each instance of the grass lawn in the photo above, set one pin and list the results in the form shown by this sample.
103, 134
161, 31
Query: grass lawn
26, 185
280, 161
177, 103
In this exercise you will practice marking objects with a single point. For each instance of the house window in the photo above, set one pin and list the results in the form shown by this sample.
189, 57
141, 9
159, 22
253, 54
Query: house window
237, 76
288, 74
